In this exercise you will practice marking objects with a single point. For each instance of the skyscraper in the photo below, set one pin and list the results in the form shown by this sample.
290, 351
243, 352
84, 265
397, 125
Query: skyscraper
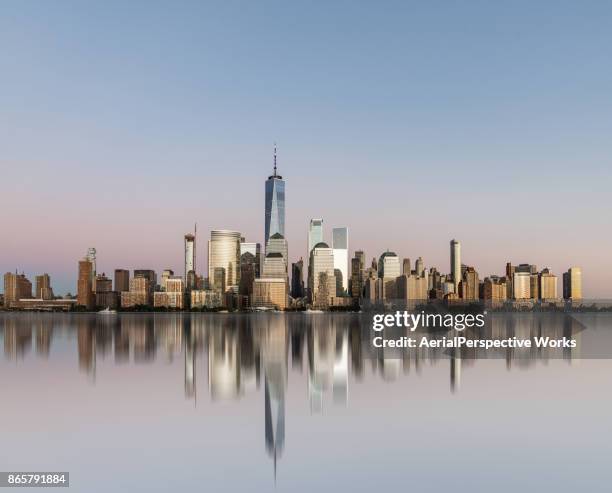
85, 283
275, 204
43, 287
315, 233
190, 257
340, 247
278, 244
321, 278
122, 280
572, 284
297, 279
455, 263
357, 274
16, 287
224, 253
255, 250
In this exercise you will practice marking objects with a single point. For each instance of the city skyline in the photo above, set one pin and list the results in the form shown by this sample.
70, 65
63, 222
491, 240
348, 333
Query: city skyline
414, 134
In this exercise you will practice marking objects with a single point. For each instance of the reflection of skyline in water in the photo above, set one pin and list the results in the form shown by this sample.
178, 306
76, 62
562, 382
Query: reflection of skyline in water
234, 353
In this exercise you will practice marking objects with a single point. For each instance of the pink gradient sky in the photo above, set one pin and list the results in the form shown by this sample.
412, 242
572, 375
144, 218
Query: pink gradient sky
121, 127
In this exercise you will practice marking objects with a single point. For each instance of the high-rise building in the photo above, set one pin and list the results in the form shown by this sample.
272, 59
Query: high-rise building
166, 274
173, 296
190, 260
91, 256
548, 285
315, 234
122, 280
278, 244
455, 263
388, 271
275, 204
494, 289
406, 266
321, 279
419, 267
85, 282
103, 284
16, 287
411, 288
274, 266
521, 285
340, 247
248, 270
43, 287
572, 284
255, 250
140, 293
270, 293
297, 279
469, 285
103, 292
357, 274
224, 253
148, 274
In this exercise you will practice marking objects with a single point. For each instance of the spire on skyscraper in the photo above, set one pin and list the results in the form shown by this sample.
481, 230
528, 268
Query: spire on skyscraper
274, 158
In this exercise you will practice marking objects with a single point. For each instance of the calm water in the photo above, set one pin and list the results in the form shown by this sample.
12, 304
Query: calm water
298, 402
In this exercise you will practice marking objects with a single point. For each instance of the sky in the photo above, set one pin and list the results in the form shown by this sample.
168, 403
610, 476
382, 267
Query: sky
411, 123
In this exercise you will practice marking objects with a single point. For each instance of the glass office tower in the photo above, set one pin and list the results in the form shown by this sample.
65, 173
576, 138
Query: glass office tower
275, 204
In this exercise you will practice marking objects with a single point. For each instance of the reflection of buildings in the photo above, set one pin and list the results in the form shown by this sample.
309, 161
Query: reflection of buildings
274, 354
328, 348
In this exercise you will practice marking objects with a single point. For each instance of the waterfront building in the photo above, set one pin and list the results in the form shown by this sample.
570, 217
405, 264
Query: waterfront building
16, 287
572, 284
494, 289
224, 253
85, 282
205, 298
547, 285
122, 280
173, 296
270, 293
140, 293
521, 285
43, 287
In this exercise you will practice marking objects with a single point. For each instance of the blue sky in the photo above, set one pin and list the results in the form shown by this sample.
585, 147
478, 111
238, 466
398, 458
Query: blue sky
411, 123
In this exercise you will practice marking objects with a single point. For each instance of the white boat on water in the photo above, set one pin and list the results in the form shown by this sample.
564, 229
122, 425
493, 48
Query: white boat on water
107, 311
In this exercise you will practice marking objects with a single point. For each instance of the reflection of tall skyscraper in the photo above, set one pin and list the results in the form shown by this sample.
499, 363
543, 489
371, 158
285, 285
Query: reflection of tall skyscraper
315, 233
340, 247
275, 204
274, 349
224, 253
455, 263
